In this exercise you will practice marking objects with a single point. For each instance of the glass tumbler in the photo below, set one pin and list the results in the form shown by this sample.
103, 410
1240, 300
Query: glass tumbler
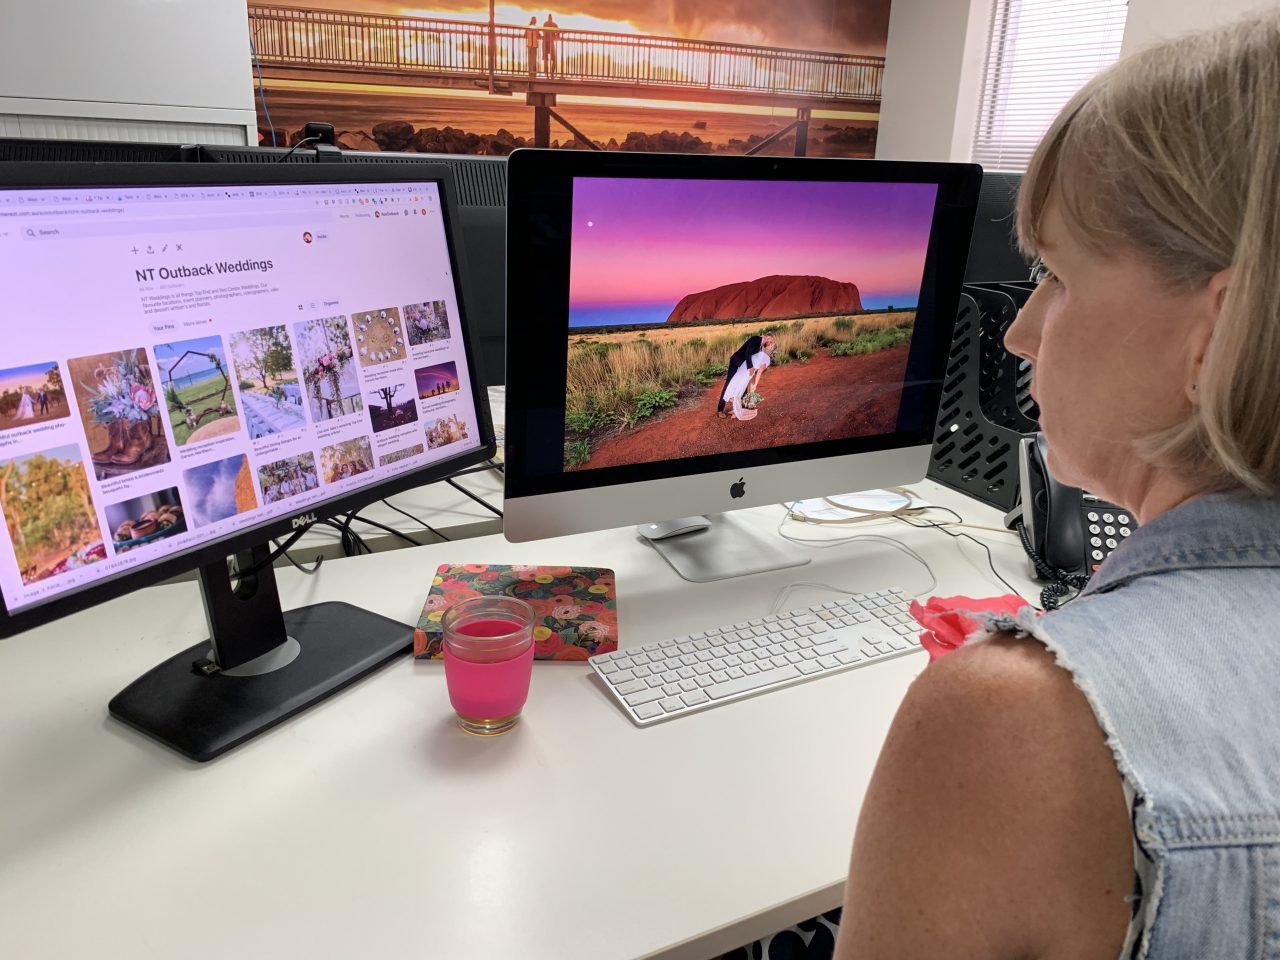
488, 660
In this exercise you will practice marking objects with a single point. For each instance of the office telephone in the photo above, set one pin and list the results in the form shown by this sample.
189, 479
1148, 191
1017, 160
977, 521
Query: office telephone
1066, 532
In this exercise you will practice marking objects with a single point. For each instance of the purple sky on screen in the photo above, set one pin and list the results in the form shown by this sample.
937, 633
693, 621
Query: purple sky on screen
645, 241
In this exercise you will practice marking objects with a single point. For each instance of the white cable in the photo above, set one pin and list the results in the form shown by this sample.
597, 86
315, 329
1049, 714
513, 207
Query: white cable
787, 590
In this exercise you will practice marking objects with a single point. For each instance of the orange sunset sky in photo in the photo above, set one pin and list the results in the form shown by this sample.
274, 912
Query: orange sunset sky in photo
841, 26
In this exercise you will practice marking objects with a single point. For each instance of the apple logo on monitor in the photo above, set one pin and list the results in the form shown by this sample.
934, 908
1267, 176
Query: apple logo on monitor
738, 489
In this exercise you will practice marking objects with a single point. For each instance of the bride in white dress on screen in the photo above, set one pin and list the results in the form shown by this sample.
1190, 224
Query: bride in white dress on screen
25, 409
744, 380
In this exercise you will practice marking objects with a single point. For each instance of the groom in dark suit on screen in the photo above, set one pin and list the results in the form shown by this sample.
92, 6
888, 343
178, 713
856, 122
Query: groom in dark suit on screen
743, 354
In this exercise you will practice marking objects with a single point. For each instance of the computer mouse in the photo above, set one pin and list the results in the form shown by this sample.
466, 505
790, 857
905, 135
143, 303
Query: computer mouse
673, 528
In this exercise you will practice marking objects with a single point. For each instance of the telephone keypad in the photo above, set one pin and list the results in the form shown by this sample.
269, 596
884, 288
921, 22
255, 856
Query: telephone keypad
1108, 528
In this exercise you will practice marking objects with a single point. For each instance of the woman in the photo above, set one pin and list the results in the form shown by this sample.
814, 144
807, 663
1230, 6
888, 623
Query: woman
1105, 781
745, 379
25, 410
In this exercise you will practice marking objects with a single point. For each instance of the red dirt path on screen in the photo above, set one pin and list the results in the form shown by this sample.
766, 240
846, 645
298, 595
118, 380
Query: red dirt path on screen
824, 399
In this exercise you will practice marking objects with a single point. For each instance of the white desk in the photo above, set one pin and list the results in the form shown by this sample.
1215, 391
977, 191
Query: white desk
371, 827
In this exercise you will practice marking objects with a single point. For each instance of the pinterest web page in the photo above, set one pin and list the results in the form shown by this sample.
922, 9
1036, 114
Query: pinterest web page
186, 362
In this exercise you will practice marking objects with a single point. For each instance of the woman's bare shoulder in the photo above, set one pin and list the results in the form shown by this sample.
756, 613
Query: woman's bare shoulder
995, 780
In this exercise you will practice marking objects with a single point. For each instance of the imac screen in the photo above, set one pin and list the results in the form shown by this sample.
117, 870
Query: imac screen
186, 362
708, 317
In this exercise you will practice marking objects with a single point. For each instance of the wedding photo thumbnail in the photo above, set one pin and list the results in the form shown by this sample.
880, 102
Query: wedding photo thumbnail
446, 430
328, 368
427, 322
268, 381
438, 379
347, 458
219, 490
32, 394
395, 456
288, 477
379, 336
120, 408
385, 413
196, 381
48, 509
143, 520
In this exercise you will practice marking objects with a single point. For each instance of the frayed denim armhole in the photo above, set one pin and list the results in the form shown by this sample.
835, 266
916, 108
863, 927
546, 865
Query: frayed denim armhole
1148, 848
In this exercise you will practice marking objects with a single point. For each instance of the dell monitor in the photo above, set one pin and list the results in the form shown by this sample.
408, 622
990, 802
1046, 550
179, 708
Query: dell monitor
688, 335
202, 358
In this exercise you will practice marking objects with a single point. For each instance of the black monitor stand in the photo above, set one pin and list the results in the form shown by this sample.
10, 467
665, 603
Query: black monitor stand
261, 665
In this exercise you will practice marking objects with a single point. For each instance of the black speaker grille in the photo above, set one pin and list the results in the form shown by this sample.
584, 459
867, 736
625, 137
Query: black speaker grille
985, 409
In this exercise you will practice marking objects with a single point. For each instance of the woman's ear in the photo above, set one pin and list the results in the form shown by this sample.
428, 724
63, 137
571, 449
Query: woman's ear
1201, 333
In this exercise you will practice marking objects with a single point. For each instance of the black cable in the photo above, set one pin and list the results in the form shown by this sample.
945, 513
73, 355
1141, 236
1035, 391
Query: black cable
382, 526
309, 571
1061, 583
352, 543
302, 142
462, 489
956, 536
274, 555
430, 529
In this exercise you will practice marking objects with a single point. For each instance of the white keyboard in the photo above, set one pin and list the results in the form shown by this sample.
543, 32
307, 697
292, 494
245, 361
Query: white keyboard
671, 678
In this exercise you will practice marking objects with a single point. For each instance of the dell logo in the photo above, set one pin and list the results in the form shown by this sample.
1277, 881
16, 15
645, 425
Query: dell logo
738, 489
309, 518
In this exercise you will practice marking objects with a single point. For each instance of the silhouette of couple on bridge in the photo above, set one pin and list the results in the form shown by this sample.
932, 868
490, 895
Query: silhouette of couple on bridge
544, 36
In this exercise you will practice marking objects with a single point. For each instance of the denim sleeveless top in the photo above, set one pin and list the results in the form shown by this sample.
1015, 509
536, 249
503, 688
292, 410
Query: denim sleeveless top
1176, 645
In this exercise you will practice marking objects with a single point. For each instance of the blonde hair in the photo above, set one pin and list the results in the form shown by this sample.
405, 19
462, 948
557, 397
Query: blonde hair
1173, 155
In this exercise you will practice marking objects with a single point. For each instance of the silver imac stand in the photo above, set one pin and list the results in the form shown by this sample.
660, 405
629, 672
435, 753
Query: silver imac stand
718, 547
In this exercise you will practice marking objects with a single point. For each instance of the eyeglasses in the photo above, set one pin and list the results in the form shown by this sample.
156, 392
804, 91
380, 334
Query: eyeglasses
1039, 271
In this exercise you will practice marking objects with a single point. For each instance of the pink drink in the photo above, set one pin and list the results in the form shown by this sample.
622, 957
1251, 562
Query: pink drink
488, 660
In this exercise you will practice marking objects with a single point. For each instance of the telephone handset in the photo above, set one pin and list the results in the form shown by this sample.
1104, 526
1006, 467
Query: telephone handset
1066, 532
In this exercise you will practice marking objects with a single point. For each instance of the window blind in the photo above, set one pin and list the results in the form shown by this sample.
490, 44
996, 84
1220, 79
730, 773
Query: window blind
1039, 53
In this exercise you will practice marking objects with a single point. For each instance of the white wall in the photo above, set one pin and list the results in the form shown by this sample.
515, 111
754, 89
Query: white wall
1151, 20
936, 53
154, 70
933, 64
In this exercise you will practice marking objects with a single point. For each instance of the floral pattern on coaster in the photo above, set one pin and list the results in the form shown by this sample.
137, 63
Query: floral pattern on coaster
577, 607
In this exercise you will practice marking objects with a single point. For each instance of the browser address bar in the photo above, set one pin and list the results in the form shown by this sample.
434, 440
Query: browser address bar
168, 226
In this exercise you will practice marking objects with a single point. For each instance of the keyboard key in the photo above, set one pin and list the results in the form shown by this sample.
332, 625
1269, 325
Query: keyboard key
719, 676
656, 682
644, 696
734, 648
704, 681
704, 656
828, 662
701, 635
622, 676
735, 672
883, 647
718, 664
848, 656
642, 671
778, 661
701, 645
792, 657
671, 689
631, 686
732, 661
809, 654
609, 667
687, 686
788, 646
752, 682
696, 697
702, 670
647, 711
750, 668
671, 704
831, 646
808, 666
688, 660
686, 673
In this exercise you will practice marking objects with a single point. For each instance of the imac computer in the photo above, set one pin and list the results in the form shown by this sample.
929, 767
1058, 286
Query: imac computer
202, 359
688, 335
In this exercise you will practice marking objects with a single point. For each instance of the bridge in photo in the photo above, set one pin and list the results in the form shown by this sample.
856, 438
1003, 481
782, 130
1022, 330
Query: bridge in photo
294, 43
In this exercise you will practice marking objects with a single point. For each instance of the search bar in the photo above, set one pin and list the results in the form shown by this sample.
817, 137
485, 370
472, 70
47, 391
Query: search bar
154, 226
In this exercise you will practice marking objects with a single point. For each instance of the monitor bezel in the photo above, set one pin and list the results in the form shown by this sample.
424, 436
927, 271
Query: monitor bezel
539, 191
73, 175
